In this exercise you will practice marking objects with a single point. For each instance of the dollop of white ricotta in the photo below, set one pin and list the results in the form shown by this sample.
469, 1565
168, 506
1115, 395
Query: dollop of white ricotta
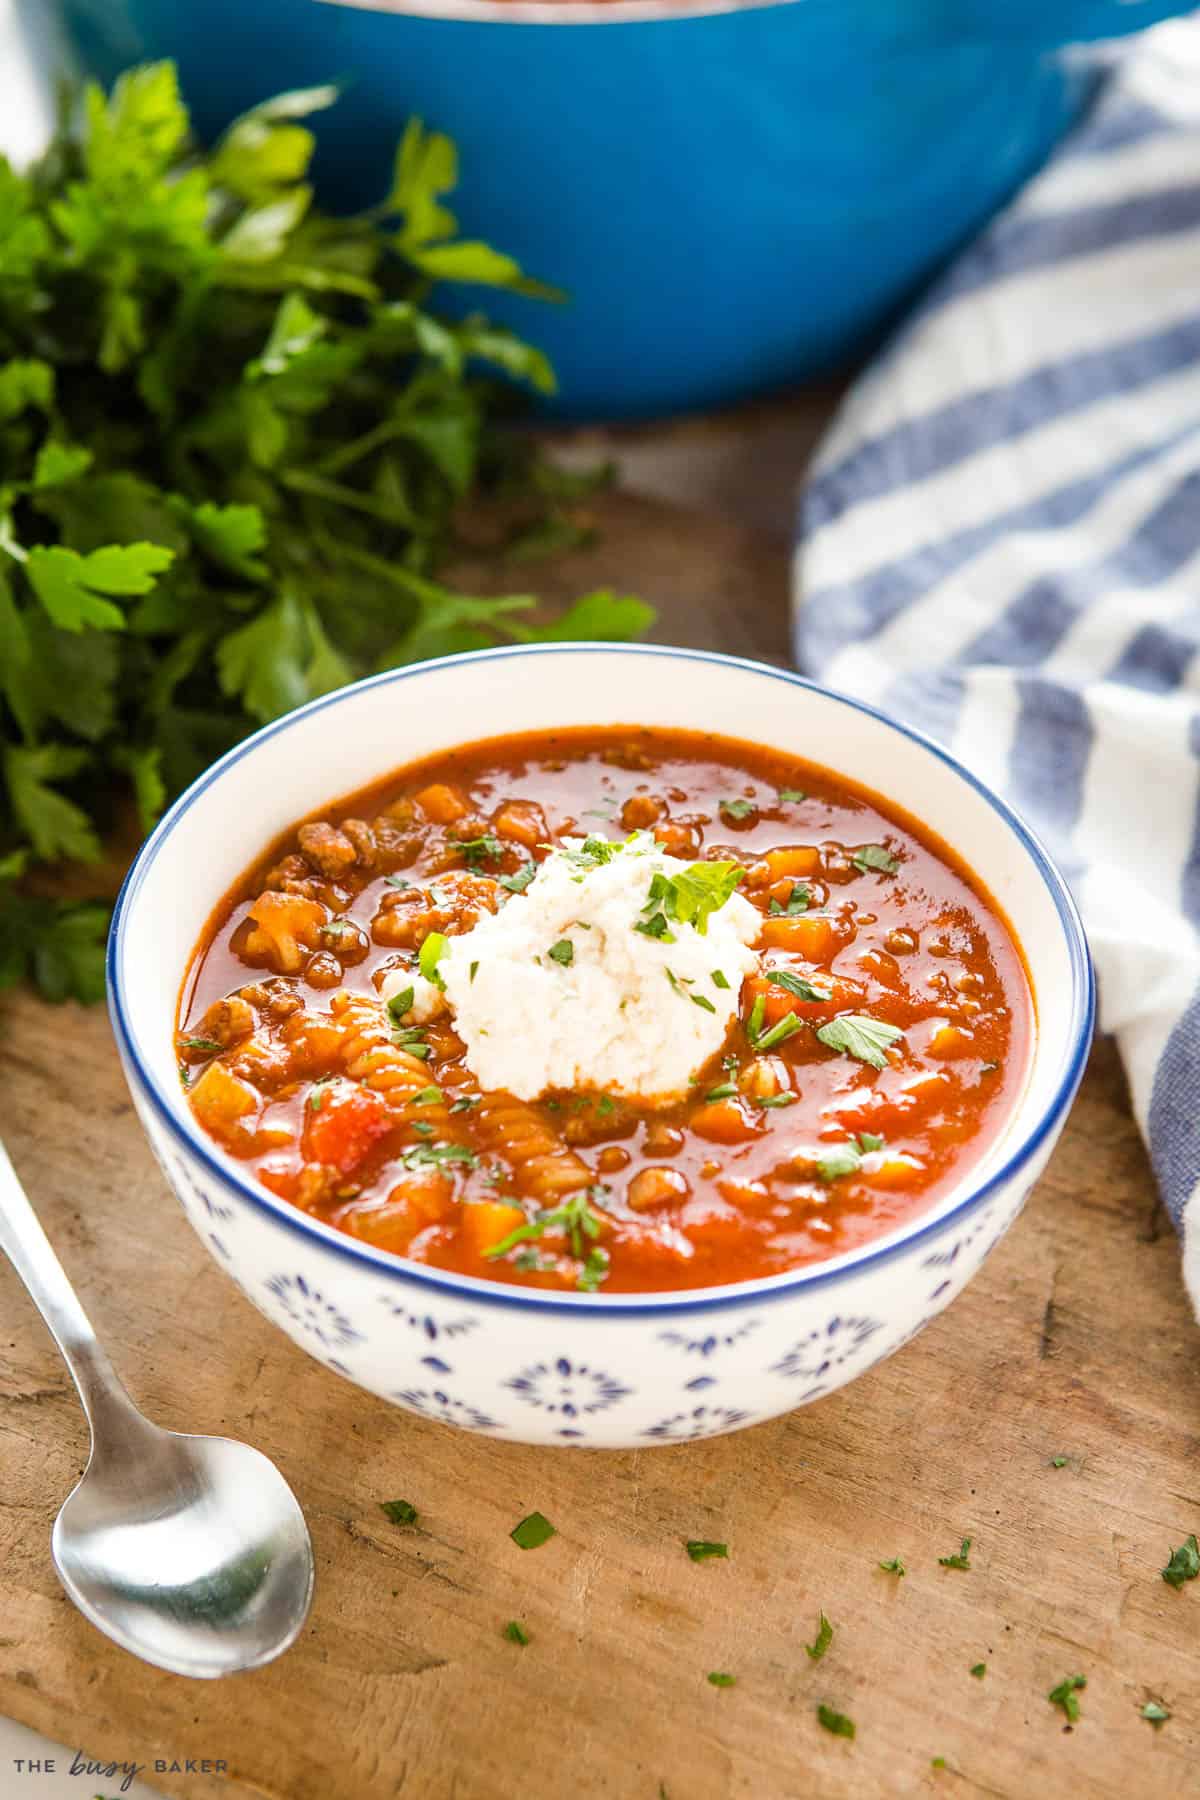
620, 1010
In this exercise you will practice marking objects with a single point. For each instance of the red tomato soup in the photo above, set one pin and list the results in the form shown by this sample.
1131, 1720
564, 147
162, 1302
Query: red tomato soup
866, 1046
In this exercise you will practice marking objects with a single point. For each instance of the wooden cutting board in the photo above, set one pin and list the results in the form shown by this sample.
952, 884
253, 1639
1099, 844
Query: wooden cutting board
1075, 1341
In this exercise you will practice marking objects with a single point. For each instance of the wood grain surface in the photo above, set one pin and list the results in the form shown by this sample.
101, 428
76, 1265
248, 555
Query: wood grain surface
1074, 1341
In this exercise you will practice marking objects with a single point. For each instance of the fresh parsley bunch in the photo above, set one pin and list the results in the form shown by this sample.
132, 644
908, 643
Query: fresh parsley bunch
233, 438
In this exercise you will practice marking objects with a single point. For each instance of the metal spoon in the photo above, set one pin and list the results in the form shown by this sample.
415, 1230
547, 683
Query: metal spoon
191, 1552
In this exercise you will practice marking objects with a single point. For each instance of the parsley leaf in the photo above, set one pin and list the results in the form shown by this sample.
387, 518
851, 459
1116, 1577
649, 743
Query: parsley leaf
823, 1640
979, 1670
574, 1217
400, 1512
478, 850
563, 952
797, 985
837, 1722
1064, 1695
1156, 1712
519, 880
737, 809
860, 1036
532, 1532
873, 857
400, 1004
1184, 1564
514, 1631
791, 796
894, 1566
961, 1560
797, 902
719, 1678
702, 1549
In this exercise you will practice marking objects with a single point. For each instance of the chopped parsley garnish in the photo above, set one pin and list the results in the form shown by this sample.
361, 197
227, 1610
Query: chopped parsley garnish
594, 1270
719, 978
1156, 1712
1064, 1695
593, 853
874, 858
563, 952
478, 850
779, 1032
823, 1640
431, 953
428, 1096
960, 1561
726, 1091
466, 1103
532, 1532
422, 1129
836, 1722
400, 1512
700, 1000
412, 1042
846, 1159
656, 927
979, 1670
185, 1075
515, 1632
1058, 1462
797, 985
1184, 1564
894, 1566
473, 971
401, 1003
860, 1036
771, 1100
937, 1762
701, 1549
519, 880
796, 902
754, 1023
574, 1216
316, 1094
397, 881
719, 1678
737, 808
792, 796
208, 1046
420, 1156
692, 896
605, 1105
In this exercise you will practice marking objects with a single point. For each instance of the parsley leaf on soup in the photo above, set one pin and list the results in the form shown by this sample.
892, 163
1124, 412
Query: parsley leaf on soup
873, 858
860, 1036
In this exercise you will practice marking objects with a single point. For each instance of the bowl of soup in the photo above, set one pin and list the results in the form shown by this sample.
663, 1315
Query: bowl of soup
597, 1045
732, 195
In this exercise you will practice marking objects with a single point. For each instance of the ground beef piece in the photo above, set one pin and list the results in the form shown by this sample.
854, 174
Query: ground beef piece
328, 850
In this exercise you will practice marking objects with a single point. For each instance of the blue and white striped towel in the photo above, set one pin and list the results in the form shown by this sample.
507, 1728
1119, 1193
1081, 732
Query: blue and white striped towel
1000, 542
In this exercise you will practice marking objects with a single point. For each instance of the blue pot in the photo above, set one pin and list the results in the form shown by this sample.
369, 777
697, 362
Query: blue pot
734, 199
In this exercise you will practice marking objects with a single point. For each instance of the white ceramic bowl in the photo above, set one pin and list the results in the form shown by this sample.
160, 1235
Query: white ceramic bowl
574, 1368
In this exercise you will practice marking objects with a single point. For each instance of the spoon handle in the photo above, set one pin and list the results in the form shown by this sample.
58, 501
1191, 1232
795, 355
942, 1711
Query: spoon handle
28, 1249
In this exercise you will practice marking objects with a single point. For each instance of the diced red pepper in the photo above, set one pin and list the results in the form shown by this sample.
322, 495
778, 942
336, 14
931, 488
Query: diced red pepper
341, 1127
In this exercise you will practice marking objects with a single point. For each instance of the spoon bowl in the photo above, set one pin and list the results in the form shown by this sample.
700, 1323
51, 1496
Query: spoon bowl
191, 1552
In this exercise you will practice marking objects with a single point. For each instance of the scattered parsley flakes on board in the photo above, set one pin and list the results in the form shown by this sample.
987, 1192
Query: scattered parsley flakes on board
893, 1566
234, 443
516, 1633
1155, 1712
961, 1560
1064, 1695
1184, 1564
532, 1532
400, 1512
703, 1549
718, 1678
824, 1638
836, 1722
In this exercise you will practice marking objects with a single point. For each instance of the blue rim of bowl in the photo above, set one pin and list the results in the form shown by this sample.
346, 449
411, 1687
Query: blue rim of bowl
684, 1300
560, 12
